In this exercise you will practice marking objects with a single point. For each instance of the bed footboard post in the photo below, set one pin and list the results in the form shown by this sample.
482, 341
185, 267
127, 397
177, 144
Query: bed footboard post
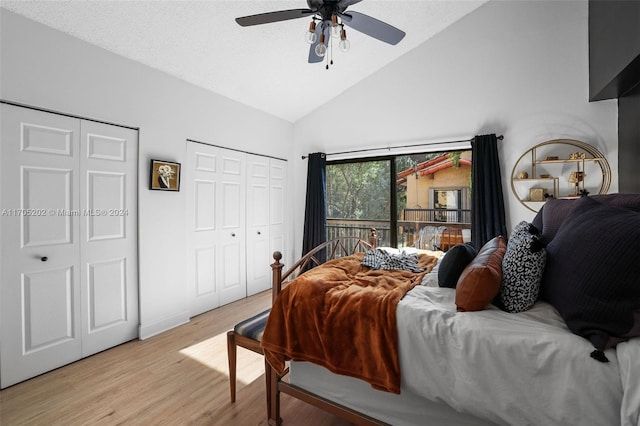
276, 280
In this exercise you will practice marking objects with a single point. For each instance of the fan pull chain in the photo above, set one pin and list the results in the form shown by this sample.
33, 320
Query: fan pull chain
330, 55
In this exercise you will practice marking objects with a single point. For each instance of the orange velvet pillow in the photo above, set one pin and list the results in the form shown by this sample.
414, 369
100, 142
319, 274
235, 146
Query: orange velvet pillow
479, 282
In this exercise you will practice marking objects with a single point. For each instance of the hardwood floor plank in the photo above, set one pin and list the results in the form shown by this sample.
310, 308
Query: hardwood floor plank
179, 377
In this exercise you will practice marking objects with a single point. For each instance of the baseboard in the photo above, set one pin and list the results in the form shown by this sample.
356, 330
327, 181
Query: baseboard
149, 330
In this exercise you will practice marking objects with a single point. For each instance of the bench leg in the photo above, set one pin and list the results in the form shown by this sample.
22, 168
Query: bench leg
231, 353
273, 396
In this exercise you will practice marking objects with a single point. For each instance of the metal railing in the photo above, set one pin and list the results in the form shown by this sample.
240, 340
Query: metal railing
338, 228
421, 228
437, 215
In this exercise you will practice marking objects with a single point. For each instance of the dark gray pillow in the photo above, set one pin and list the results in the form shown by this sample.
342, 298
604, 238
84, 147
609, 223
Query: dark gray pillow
593, 271
453, 263
522, 268
555, 210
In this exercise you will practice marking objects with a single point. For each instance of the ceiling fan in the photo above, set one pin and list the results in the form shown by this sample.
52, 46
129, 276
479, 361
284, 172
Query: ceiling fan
329, 17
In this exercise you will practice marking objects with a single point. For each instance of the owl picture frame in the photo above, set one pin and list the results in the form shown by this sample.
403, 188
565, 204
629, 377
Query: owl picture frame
164, 175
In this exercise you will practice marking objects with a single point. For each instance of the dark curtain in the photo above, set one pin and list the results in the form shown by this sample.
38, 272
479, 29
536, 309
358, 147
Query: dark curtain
487, 202
315, 214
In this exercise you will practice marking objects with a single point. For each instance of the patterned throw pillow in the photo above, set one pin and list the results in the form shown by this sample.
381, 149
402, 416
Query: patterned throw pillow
522, 269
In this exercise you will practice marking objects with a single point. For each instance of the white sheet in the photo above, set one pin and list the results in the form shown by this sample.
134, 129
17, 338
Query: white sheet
406, 409
512, 369
629, 359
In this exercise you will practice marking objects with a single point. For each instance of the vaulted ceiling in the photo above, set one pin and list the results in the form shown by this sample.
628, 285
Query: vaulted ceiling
263, 66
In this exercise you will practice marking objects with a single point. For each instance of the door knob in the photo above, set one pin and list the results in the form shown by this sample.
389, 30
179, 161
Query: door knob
44, 258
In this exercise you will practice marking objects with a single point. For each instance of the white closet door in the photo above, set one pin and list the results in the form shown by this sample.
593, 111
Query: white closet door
108, 233
232, 227
277, 209
203, 176
67, 288
40, 287
258, 236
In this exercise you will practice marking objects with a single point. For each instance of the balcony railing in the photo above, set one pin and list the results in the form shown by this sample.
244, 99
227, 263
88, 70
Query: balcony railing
337, 228
433, 229
437, 215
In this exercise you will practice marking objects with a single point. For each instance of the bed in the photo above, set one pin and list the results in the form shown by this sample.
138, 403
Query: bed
541, 365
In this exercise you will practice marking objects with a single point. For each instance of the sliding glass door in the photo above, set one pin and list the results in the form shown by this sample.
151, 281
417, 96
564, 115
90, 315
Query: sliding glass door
418, 200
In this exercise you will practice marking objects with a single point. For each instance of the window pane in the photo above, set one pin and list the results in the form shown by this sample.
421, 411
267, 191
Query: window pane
427, 207
433, 199
358, 198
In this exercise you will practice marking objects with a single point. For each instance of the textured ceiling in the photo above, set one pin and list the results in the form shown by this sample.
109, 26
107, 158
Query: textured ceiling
262, 66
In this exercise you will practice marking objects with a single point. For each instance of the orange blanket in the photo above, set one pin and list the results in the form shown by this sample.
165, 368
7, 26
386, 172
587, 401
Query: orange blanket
342, 316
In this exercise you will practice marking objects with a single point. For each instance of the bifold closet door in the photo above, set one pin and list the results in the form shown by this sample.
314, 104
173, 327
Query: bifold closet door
233, 232
108, 235
69, 262
277, 209
216, 234
266, 180
258, 235
203, 246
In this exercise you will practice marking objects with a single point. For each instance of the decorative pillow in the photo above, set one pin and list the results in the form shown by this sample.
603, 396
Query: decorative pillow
537, 220
383, 259
522, 269
555, 210
453, 263
592, 273
480, 280
524, 228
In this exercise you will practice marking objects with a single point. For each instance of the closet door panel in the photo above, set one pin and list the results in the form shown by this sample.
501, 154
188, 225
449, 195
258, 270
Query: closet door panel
277, 207
108, 199
203, 175
258, 255
233, 231
40, 284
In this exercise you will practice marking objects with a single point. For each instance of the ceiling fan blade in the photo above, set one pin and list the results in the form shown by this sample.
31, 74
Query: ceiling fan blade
313, 58
373, 27
343, 4
277, 16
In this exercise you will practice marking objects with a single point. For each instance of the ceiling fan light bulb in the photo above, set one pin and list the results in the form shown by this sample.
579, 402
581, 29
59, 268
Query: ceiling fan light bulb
344, 45
335, 25
310, 36
321, 49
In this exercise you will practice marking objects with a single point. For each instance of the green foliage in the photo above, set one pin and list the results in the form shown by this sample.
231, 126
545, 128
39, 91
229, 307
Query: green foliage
358, 190
455, 157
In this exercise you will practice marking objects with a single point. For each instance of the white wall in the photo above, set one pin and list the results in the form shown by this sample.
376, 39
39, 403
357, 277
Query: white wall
518, 68
45, 68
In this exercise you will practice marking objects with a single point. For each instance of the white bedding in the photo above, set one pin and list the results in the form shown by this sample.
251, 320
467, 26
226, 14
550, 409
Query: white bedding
629, 360
512, 369
491, 366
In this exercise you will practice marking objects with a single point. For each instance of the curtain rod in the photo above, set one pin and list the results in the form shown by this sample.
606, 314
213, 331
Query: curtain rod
389, 148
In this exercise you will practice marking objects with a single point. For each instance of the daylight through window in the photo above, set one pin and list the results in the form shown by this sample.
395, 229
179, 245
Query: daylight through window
418, 200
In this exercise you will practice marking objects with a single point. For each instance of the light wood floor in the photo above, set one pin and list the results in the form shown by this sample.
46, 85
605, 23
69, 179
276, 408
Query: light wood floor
179, 377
